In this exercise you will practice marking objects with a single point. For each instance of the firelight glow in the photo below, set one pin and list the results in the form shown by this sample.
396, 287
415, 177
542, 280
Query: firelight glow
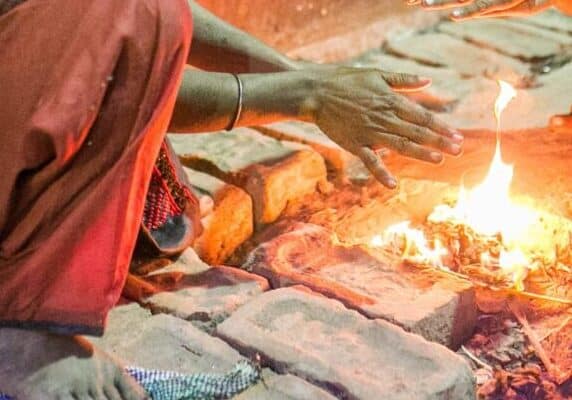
487, 209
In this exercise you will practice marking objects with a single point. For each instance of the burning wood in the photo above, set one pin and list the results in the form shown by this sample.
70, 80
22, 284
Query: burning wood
491, 239
487, 236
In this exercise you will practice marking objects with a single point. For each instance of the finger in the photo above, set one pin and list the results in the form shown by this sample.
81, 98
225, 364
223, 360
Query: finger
479, 7
129, 389
401, 82
411, 112
111, 393
377, 168
442, 4
407, 148
426, 137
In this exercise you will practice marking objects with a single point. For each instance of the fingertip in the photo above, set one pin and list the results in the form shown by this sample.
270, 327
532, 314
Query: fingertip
390, 183
425, 81
436, 157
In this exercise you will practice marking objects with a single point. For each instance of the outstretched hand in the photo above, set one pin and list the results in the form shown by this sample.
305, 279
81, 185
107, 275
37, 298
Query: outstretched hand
470, 9
360, 110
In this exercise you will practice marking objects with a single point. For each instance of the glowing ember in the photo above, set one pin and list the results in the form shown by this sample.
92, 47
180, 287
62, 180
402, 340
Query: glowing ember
486, 209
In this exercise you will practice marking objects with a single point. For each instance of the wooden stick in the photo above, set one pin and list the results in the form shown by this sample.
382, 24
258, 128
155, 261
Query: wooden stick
551, 368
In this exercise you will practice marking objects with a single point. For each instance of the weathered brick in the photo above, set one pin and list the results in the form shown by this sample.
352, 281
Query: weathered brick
441, 49
283, 387
515, 39
438, 308
341, 163
194, 291
318, 339
272, 172
228, 223
549, 19
168, 343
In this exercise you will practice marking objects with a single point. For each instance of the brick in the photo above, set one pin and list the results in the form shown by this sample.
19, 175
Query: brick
168, 343
227, 224
272, 172
441, 49
512, 38
194, 291
438, 308
531, 109
283, 387
549, 19
321, 341
340, 163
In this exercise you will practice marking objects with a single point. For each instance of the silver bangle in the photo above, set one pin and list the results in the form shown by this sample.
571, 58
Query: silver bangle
238, 111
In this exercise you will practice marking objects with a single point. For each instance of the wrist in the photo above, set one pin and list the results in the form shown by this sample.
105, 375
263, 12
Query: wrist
309, 100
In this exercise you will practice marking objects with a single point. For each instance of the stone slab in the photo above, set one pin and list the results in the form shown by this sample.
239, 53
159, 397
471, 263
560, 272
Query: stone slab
227, 223
550, 19
319, 340
438, 308
168, 343
283, 387
341, 164
532, 108
194, 291
512, 38
441, 49
272, 172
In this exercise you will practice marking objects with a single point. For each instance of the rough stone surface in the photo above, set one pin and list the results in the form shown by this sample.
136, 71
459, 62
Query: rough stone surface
531, 108
440, 49
342, 165
272, 172
550, 19
168, 343
195, 291
283, 387
228, 223
319, 340
437, 308
512, 38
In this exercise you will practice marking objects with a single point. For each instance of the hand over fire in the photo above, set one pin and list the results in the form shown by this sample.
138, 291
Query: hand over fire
360, 110
468, 9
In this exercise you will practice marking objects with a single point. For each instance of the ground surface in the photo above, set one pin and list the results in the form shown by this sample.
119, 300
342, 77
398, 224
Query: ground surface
330, 320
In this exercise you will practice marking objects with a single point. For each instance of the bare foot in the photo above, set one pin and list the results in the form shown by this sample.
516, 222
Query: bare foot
36, 365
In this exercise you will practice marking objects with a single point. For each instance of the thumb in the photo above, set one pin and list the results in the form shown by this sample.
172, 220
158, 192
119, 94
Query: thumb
401, 82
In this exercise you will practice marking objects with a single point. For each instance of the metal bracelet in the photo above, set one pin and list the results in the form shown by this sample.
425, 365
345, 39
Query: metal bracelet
238, 111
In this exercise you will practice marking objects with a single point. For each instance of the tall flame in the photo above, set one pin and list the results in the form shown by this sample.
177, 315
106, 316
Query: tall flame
487, 208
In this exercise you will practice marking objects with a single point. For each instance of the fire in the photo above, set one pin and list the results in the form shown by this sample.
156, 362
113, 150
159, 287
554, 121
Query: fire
487, 209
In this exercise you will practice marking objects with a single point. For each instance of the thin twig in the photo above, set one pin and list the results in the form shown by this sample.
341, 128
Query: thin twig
476, 359
557, 329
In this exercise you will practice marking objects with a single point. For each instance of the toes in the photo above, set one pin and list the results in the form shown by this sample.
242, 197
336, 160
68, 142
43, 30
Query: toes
129, 389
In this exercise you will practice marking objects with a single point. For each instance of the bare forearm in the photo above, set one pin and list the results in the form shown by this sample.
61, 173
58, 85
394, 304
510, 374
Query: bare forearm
207, 101
219, 46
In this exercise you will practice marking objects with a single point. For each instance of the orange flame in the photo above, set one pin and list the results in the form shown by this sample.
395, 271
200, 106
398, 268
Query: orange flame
487, 209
